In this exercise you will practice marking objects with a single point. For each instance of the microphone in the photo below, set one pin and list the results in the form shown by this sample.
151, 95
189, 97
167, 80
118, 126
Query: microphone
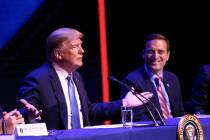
133, 91
4, 130
112, 78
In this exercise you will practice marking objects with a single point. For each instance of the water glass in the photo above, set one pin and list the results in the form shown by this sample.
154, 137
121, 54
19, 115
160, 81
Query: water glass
127, 116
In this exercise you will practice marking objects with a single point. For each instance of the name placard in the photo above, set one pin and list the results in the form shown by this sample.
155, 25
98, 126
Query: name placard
7, 137
35, 129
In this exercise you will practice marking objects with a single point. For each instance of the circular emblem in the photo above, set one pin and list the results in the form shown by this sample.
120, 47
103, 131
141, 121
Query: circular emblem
189, 128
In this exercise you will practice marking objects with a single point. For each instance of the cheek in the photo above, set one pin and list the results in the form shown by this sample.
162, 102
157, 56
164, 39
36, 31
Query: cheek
72, 58
71, 55
147, 56
150, 58
166, 58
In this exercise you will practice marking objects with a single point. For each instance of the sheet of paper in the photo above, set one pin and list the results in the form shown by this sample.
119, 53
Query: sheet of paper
115, 126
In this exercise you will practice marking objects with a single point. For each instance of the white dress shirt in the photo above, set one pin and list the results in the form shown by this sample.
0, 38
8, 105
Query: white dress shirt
62, 74
152, 78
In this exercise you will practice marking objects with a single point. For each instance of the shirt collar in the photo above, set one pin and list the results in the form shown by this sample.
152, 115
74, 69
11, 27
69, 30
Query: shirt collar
62, 72
152, 75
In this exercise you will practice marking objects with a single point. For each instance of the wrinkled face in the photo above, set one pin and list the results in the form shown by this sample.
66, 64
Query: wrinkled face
70, 54
156, 55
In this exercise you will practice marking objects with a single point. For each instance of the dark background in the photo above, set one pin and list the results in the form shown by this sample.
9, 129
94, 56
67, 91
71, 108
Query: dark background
186, 25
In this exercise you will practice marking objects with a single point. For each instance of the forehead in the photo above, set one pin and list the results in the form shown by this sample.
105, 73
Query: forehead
76, 41
71, 42
156, 44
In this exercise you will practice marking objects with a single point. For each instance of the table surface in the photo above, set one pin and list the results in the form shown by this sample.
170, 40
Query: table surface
169, 131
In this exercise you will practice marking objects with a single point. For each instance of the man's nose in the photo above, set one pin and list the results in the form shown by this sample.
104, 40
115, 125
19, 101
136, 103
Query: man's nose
81, 49
155, 55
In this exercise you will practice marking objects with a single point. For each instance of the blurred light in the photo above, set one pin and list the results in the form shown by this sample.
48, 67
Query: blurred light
13, 15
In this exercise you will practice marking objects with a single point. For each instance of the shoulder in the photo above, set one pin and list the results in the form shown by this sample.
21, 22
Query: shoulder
139, 72
205, 68
170, 75
41, 71
139, 75
204, 72
77, 76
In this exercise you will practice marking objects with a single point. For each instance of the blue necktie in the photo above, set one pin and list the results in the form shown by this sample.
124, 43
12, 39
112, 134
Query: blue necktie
75, 121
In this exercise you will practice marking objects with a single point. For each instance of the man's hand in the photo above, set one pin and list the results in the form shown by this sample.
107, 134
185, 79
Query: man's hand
131, 100
32, 111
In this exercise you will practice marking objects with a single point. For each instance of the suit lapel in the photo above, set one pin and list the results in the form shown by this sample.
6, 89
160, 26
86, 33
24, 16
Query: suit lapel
169, 90
149, 86
155, 98
77, 83
83, 98
57, 90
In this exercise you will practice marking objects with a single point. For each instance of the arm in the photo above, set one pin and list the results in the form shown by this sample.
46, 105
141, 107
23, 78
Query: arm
29, 99
112, 109
200, 91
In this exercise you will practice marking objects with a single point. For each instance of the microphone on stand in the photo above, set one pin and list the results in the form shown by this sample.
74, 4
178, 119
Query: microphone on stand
4, 130
112, 78
133, 91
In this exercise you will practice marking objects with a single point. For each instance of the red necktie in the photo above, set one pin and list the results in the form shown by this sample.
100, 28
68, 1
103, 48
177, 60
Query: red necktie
162, 99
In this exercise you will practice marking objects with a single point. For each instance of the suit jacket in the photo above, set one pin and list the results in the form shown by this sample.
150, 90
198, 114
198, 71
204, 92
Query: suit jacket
1, 113
201, 90
42, 88
140, 80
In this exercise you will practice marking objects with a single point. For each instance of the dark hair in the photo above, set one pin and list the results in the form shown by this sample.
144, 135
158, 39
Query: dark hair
156, 36
57, 37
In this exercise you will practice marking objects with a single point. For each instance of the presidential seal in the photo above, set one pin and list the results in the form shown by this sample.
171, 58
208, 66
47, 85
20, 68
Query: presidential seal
189, 128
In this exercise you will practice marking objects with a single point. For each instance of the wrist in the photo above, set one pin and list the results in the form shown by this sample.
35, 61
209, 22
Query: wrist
125, 103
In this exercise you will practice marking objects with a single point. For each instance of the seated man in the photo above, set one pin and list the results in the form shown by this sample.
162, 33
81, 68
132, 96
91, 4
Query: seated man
55, 92
11, 119
201, 91
153, 78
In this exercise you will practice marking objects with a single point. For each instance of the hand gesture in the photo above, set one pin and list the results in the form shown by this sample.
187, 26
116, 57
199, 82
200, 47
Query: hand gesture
32, 111
131, 100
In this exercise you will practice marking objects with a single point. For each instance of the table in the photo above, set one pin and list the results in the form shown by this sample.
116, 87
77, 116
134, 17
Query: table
137, 133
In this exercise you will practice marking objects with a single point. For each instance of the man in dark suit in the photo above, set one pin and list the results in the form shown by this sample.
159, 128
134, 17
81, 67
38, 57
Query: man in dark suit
201, 91
45, 95
168, 99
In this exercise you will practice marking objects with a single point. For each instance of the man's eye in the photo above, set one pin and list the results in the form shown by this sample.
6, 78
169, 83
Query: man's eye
161, 52
150, 52
74, 46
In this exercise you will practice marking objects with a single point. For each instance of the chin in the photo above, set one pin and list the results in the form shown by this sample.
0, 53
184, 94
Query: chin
155, 69
80, 64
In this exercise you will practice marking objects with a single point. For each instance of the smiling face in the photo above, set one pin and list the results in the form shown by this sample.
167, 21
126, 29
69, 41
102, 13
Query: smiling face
155, 55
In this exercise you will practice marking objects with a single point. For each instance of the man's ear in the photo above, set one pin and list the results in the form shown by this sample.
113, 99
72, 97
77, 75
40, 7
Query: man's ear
57, 54
168, 56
